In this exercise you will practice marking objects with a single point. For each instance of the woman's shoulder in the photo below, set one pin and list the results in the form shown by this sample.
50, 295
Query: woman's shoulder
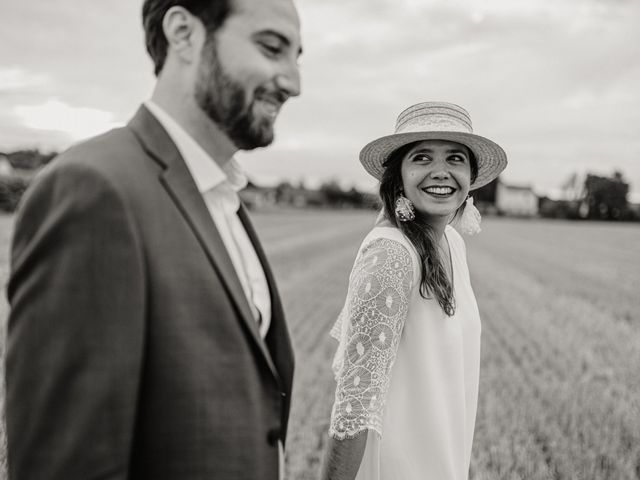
390, 239
386, 231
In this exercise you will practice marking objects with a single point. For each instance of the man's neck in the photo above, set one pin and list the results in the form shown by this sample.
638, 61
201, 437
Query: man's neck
184, 110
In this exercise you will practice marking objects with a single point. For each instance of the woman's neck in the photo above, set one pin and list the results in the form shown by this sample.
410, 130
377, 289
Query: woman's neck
438, 224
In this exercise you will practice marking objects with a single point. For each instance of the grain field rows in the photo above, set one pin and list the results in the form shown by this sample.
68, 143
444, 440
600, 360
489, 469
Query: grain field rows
559, 386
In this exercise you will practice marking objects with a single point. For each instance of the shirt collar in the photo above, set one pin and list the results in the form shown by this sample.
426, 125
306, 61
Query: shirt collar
205, 171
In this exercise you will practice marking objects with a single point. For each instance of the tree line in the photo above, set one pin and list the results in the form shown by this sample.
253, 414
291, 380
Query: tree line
597, 197
592, 197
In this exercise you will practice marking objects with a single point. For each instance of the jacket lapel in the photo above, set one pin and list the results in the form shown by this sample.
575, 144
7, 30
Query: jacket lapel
180, 185
278, 339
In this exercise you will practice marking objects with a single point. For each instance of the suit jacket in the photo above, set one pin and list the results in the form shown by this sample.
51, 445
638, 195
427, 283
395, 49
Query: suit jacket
132, 352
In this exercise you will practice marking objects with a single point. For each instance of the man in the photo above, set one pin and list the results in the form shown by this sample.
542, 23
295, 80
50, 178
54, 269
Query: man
146, 336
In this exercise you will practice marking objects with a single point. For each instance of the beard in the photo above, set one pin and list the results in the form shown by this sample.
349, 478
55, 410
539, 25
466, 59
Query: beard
223, 100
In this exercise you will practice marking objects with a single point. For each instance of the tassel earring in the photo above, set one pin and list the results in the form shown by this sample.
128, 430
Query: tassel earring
469, 222
404, 209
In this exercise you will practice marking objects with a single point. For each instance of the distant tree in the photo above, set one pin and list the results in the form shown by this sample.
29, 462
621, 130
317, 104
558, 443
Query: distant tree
11, 190
354, 197
29, 159
550, 208
283, 192
333, 194
606, 197
573, 187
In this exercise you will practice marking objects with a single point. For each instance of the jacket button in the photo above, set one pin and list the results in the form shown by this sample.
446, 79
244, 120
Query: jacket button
273, 436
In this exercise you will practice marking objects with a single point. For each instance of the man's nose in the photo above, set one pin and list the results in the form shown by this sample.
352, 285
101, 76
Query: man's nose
288, 80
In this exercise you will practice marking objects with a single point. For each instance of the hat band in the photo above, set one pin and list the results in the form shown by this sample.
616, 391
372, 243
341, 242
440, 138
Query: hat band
436, 123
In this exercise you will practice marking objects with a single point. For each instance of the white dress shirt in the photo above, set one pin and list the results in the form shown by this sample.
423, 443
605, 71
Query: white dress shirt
219, 188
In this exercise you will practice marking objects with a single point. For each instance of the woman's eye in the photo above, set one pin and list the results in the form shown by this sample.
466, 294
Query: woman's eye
421, 157
457, 158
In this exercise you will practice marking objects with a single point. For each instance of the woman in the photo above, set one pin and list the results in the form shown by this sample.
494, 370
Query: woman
408, 361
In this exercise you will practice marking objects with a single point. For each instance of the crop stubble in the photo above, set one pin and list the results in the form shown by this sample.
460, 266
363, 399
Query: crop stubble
561, 330
560, 388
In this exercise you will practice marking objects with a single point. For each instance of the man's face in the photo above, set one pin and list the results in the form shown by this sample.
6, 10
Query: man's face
248, 69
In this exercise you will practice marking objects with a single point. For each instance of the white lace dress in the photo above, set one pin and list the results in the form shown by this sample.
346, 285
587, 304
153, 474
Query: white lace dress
406, 372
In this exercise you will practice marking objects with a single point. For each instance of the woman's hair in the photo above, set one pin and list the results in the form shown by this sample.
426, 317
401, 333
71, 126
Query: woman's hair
433, 275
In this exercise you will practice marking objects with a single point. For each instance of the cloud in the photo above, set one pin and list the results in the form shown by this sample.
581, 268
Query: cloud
76, 122
16, 79
554, 82
93, 57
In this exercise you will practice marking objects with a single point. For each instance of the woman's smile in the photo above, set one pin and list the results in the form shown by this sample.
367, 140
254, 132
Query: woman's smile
439, 191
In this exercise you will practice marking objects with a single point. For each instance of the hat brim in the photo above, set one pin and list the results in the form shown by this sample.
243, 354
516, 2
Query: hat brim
490, 157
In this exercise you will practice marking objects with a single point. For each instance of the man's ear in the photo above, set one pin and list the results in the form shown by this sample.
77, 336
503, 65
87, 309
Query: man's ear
183, 33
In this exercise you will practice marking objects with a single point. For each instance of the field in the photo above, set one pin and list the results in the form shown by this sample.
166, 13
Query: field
560, 305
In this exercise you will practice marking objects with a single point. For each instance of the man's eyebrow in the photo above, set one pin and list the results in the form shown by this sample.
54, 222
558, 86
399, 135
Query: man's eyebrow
284, 39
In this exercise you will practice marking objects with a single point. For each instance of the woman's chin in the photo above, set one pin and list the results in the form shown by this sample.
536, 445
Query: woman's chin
434, 211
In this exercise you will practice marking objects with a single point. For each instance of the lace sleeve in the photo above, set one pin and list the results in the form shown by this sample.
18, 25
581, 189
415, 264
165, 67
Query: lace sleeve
372, 322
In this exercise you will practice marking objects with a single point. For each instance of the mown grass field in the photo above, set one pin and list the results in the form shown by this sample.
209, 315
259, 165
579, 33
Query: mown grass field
560, 305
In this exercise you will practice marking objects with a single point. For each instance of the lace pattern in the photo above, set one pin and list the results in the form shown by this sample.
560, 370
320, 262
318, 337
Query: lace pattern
369, 329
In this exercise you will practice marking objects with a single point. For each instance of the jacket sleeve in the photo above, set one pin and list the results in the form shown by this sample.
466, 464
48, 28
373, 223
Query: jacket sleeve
75, 331
372, 322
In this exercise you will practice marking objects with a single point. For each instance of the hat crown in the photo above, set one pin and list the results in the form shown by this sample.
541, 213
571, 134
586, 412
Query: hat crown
434, 117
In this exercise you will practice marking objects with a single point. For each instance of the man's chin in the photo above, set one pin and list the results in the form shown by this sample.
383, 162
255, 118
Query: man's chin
255, 139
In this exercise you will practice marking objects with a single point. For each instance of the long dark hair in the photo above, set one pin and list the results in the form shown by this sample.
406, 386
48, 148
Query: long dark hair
433, 276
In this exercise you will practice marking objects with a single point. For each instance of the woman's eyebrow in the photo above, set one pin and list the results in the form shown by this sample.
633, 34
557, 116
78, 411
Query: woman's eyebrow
423, 150
428, 150
455, 150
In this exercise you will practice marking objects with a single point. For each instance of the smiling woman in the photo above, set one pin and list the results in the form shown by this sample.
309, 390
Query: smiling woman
407, 363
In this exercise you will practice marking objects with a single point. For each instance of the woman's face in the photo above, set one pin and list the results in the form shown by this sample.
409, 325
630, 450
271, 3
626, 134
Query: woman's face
436, 176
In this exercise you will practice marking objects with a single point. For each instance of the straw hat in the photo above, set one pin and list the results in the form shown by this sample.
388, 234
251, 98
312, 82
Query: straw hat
436, 121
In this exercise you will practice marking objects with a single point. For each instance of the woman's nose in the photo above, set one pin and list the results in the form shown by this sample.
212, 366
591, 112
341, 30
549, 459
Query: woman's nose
439, 170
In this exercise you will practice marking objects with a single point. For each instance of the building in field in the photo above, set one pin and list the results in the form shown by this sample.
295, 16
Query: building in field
516, 200
6, 169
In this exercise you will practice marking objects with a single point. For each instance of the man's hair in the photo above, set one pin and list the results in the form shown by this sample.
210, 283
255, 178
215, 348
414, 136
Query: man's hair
212, 13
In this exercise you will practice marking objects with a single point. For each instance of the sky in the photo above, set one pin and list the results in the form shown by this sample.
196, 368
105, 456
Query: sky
555, 83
